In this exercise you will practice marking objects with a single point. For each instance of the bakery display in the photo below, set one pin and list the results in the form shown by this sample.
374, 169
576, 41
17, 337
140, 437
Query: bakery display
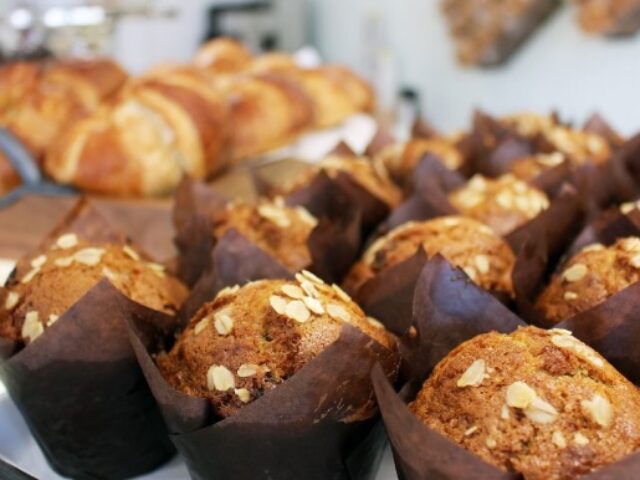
484, 256
590, 277
488, 34
504, 203
609, 17
540, 403
250, 339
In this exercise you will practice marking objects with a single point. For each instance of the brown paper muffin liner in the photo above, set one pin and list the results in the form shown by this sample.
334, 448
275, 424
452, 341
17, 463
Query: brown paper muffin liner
333, 244
448, 310
79, 387
304, 428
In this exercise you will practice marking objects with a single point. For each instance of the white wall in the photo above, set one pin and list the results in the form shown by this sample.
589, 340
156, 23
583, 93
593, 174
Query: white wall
559, 68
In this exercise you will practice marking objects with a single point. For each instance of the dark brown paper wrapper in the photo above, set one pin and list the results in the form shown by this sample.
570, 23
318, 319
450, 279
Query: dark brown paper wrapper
79, 387
382, 139
300, 429
597, 124
448, 310
333, 244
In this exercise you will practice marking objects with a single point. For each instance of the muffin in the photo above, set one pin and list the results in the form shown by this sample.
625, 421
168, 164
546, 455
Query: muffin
369, 176
402, 158
485, 257
58, 277
578, 145
277, 229
536, 402
528, 168
590, 277
504, 203
250, 339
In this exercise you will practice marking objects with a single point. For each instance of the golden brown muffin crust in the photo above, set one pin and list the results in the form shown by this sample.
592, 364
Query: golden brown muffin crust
249, 339
528, 168
537, 402
486, 258
590, 277
61, 275
504, 203
279, 230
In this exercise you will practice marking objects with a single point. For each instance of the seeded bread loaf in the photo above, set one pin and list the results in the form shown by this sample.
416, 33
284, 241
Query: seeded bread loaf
485, 257
537, 402
504, 203
590, 277
60, 276
279, 230
249, 339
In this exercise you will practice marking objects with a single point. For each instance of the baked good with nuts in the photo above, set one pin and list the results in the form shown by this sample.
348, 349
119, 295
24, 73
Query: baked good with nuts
278, 229
609, 17
249, 339
536, 402
370, 176
59, 276
590, 277
485, 257
504, 203
528, 168
401, 159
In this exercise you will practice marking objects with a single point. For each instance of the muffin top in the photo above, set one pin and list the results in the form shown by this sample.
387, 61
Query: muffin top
578, 145
590, 277
402, 158
504, 203
61, 275
249, 339
279, 230
528, 168
485, 257
371, 176
537, 402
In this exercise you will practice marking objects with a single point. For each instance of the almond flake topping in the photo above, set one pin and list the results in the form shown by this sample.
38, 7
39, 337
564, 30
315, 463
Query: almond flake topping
247, 370
39, 261
220, 378
575, 273
338, 312
201, 325
296, 310
341, 293
314, 305
598, 409
520, 395
312, 277
482, 263
292, 291
30, 275
375, 323
474, 375
223, 323
131, 253
63, 262
68, 240
89, 256
243, 394
278, 303
558, 439
53, 318
580, 439
31, 328
11, 301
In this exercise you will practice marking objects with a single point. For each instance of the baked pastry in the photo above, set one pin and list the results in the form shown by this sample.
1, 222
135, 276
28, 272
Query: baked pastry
251, 338
160, 129
485, 257
578, 146
590, 277
609, 17
55, 279
277, 229
401, 159
536, 402
223, 56
503, 203
528, 168
266, 111
367, 175
48, 97
9, 178
488, 33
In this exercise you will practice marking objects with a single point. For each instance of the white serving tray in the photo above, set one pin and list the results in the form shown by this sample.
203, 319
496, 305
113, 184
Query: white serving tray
18, 447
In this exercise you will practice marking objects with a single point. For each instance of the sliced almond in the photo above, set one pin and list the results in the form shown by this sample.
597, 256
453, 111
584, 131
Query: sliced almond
220, 378
63, 262
201, 325
223, 323
570, 296
274, 214
490, 442
312, 277
292, 291
11, 301
598, 409
157, 268
635, 261
243, 394
39, 261
309, 288
228, 291
30, 275
575, 273
520, 395
279, 304
68, 240
504, 412
341, 293
558, 439
306, 217
90, 256
474, 375
297, 310
247, 370
375, 323
314, 305
631, 244
482, 263
131, 253
338, 312
53, 318
31, 328
580, 439
471, 273
540, 411
470, 431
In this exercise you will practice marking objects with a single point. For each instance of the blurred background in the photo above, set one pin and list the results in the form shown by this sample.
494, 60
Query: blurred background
404, 47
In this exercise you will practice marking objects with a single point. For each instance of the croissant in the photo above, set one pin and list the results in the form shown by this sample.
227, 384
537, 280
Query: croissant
158, 130
223, 56
39, 100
